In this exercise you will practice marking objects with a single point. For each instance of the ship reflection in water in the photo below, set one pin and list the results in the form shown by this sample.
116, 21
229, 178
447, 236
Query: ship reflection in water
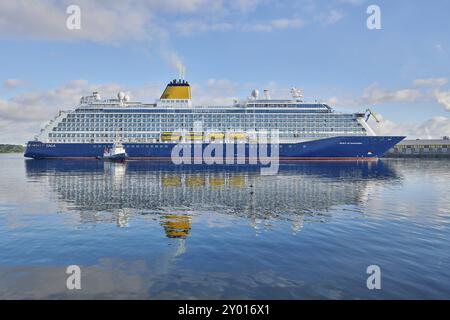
156, 230
111, 192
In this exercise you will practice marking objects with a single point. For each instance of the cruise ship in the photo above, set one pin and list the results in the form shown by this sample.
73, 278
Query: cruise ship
305, 130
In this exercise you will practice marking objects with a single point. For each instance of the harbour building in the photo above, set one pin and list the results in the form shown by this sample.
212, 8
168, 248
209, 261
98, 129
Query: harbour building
439, 148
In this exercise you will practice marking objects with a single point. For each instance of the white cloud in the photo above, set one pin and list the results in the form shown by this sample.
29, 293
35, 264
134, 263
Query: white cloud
216, 92
189, 27
434, 128
353, 2
431, 82
285, 23
440, 96
333, 101
194, 26
13, 83
116, 21
186, 6
375, 95
443, 98
276, 24
245, 5
422, 90
112, 21
108, 22
331, 17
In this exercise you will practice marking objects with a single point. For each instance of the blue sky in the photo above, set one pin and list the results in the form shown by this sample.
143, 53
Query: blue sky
228, 48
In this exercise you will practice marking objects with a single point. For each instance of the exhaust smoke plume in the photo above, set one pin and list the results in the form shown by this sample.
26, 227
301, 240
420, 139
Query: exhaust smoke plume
175, 61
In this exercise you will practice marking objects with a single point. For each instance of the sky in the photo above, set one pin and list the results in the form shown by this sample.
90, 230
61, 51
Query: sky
228, 48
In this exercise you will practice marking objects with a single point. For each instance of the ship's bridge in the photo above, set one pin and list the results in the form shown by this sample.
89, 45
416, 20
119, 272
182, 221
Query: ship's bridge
94, 101
254, 102
285, 104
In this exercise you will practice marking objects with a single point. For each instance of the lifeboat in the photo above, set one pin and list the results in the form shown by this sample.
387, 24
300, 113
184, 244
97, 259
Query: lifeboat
237, 135
194, 136
216, 136
170, 136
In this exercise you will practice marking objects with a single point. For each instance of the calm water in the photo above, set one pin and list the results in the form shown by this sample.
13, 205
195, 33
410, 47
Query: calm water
149, 230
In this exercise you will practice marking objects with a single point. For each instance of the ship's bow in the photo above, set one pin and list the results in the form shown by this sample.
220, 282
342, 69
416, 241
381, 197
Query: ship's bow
385, 143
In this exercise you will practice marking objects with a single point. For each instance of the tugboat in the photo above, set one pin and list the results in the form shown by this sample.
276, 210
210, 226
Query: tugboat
116, 153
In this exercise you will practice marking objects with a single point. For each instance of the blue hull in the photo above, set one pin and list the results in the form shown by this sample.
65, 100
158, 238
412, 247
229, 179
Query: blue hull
336, 148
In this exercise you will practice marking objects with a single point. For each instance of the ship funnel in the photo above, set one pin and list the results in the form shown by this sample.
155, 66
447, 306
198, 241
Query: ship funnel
177, 89
267, 94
